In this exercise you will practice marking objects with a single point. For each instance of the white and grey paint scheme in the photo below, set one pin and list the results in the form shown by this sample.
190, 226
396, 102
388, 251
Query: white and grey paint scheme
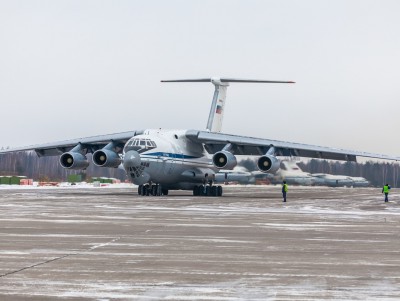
160, 160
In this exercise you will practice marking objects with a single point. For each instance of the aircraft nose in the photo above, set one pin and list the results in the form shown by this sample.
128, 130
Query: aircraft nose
132, 159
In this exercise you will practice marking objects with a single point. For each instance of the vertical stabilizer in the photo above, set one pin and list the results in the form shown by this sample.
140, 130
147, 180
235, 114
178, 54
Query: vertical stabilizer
217, 110
216, 115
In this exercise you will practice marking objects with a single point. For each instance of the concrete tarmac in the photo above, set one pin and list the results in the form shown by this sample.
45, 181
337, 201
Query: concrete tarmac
110, 244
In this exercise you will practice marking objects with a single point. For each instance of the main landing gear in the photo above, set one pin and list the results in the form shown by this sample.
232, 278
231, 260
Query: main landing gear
207, 190
154, 190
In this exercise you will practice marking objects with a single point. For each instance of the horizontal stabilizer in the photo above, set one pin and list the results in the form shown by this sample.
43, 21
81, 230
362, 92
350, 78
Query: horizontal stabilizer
214, 123
225, 80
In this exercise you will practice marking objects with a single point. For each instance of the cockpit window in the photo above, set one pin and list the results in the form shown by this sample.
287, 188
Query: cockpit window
140, 145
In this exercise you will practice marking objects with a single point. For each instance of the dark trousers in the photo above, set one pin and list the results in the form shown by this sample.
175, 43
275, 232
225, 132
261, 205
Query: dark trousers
284, 196
386, 197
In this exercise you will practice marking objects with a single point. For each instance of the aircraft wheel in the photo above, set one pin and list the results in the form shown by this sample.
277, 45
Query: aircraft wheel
164, 191
195, 190
214, 191
148, 190
219, 190
144, 190
153, 190
200, 190
140, 189
158, 191
208, 190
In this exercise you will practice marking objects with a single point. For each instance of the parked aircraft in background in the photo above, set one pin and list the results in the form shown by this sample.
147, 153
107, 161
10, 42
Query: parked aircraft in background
360, 182
160, 160
292, 174
323, 179
239, 174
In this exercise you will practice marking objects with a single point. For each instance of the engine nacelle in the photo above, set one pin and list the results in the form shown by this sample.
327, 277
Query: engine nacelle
268, 163
73, 160
106, 158
224, 160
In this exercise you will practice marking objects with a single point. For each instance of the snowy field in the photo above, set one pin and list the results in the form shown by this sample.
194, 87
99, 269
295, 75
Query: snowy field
107, 243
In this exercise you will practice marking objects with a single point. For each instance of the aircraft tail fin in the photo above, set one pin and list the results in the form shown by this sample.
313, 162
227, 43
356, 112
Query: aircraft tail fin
216, 115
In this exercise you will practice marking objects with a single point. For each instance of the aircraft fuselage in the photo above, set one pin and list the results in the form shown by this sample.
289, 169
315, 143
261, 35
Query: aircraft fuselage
168, 158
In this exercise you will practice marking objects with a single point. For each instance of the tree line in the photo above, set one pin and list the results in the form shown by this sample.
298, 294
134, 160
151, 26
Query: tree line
49, 169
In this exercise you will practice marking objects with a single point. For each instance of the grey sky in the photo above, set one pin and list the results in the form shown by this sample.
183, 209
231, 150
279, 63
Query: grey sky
72, 69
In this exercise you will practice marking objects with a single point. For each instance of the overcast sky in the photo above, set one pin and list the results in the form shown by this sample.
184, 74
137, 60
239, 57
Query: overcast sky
72, 69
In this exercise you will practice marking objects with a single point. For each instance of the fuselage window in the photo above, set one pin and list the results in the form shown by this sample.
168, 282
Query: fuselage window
142, 142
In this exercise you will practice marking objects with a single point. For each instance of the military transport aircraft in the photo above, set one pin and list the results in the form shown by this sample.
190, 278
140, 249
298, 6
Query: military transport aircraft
160, 160
239, 174
291, 173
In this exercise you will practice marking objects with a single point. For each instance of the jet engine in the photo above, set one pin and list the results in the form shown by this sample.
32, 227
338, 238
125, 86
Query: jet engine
73, 160
224, 160
106, 158
268, 163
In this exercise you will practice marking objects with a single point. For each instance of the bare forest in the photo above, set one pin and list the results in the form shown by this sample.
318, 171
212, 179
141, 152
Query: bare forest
48, 169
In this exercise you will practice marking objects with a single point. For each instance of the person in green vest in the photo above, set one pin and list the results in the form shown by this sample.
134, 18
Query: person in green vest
385, 190
284, 190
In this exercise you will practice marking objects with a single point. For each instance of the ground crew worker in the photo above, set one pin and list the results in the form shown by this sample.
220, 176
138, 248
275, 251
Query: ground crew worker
284, 190
385, 190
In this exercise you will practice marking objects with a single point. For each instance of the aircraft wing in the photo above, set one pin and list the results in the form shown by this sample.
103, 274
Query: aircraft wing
91, 144
242, 145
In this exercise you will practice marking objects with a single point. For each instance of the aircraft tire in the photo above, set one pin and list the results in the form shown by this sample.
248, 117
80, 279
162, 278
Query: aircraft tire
201, 190
219, 190
140, 188
164, 191
214, 190
144, 190
195, 190
153, 190
208, 190
158, 191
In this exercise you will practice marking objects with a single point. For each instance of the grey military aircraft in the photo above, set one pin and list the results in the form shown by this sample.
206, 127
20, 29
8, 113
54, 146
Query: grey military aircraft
159, 160
291, 173
239, 175
323, 179
360, 182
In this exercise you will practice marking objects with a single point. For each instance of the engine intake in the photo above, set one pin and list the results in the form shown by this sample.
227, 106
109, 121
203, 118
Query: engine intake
268, 163
224, 160
106, 158
73, 160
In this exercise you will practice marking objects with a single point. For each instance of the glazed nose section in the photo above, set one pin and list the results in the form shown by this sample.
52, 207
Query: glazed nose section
132, 159
132, 164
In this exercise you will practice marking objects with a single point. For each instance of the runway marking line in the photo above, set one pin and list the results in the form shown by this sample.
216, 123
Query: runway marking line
60, 257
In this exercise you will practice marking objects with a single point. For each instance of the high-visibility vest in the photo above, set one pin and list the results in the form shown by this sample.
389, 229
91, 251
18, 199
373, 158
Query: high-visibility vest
285, 187
386, 189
